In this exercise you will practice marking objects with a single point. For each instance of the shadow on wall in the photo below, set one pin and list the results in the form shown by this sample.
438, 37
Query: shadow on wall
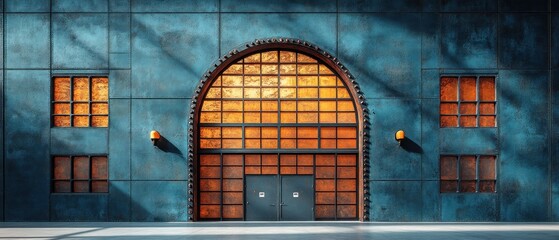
168, 147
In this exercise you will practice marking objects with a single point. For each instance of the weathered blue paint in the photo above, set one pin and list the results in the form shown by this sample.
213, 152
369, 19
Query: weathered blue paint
74, 141
79, 6
396, 201
154, 53
27, 41
2, 142
158, 201
84, 207
468, 207
79, 36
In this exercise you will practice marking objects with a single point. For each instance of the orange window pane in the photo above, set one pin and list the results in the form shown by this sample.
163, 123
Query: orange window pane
210, 198
307, 92
100, 108
288, 81
232, 132
269, 93
307, 106
288, 92
449, 168
347, 172
347, 198
81, 168
288, 105
343, 93
307, 143
288, 117
449, 186
61, 89
252, 81
327, 81
271, 56
327, 117
288, 143
468, 167
325, 160
100, 89
61, 108
231, 143
61, 121
288, 159
217, 82
307, 69
232, 105
99, 168
305, 160
323, 69
251, 105
325, 172
346, 117
232, 198
214, 93
232, 172
251, 69
253, 170
467, 186
449, 89
269, 69
252, 159
269, 143
328, 143
339, 83
232, 92
302, 58
269, 105
81, 186
234, 69
487, 121
210, 143
449, 121
327, 92
468, 108
252, 132
209, 105
487, 89
307, 132
487, 108
62, 168
252, 117
81, 108
269, 117
346, 211
269, 159
81, 89
468, 89
305, 170
254, 58
288, 69
307, 81
487, 168
325, 211
81, 121
210, 211
347, 132
347, 143
345, 106
328, 132
210, 160
252, 93
232, 117
62, 186
210, 117
287, 56
210, 132
346, 185
209, 184
99, 121
288, 132
233, 185
487, 186
269, 132
269, 81
347, 160
468, 121
449, 108
307, 117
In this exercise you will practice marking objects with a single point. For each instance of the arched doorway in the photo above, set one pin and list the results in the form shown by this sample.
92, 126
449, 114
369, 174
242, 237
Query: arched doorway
277, 135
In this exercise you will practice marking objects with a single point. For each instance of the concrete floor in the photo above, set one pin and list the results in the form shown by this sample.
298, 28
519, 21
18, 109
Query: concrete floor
280, 230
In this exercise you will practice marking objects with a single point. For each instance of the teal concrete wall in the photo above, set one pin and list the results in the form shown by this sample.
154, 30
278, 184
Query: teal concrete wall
155, 52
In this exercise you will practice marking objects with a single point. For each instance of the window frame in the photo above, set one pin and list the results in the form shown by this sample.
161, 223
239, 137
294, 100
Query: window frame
477, 179
71, 180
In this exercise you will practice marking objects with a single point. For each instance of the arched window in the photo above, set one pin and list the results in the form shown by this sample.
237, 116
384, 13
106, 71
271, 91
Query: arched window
277, 112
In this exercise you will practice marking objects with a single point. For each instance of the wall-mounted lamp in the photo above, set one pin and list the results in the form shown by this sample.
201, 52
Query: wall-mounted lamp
400, 136
154, 136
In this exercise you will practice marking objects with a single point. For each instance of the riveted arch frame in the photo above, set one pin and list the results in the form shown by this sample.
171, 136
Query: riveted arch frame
287, 44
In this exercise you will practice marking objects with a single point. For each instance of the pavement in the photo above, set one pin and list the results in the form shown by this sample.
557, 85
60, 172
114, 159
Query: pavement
278, 230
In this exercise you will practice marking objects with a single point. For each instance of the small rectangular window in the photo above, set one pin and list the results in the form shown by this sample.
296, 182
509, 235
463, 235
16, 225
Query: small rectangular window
80, 101
468, 173
80, 174
468, 101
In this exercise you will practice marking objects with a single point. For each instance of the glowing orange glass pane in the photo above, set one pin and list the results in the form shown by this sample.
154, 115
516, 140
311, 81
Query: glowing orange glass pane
61, 89
307, 92
269, 117
449, 108
307, 143
468, 167
232, 81
467, 121
62, 168
345, 106
81, 108
325, 160
99, 121
288, 117
232, 117
61, 108
269, 69
347, 143
252, 105
327, 81
61, 121
252, 117
214, 93
232, 92
210, 117
100, 89
327, 92
487, 89
288, 69
269, 143
252, 132
269, 93
253, 81
327, 105
217, 82
323, 69
346, 117
254, 58
269, 132
81, 89
307, 117
449, 168
449, 89
487, 121
231, 143
449, 121
327, 117
99, 108
210, 132
287, 56
234, 69
307, 69
307, 106
468, 88
81, 121
288, 105
210, 143
307, 81
302, 58
252, 143
231, 132
487, 108
346, 160
288, 143
209, 105
347, 132
467, 108
328, 143
288, 132
287, 92
288, 81
269, 81
252, 69
232, 105
288, 159
252, 159
328, 132
252, 93
343, 93
307, 132
269, 105
271, 56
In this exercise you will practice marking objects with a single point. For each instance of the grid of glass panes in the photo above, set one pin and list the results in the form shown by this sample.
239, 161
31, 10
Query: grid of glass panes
79, 174
80, 101
468, 101
221, 182
468, 173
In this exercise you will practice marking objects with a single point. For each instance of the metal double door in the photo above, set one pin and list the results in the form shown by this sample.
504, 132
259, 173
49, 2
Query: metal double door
279, 198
